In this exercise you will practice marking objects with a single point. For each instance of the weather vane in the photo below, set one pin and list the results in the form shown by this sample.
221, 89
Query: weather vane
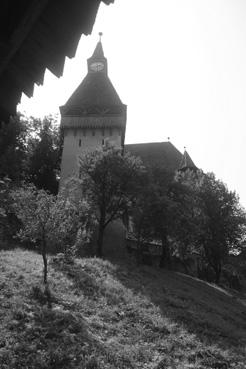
100, 35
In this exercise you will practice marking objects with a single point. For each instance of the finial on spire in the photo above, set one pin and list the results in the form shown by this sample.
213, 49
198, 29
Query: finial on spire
168, 139
184, 148
100, 36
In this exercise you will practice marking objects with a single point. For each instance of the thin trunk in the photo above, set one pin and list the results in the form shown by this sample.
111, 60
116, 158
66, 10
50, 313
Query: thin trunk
217, 270
100, 235
165, 254
45, 273
139, 250
44, 255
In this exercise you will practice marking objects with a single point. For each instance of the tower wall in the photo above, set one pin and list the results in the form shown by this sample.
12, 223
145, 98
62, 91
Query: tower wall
93, 116
78, 141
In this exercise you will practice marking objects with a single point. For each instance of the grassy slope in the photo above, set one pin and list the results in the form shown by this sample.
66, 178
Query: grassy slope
112, 315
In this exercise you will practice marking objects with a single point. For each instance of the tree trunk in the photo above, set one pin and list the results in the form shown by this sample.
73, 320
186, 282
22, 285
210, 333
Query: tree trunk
165, 254
217, 270
44, 255
45, 273
100, 235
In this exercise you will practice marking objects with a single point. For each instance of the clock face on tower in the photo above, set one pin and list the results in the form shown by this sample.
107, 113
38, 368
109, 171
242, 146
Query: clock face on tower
96, 66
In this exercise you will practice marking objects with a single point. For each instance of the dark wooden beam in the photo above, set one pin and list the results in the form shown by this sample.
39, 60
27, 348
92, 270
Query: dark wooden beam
33, 12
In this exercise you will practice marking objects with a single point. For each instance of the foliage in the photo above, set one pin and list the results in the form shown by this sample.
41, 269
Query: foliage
219, 218
49, 219
44, 153
192, 216
159, 211
109, 181
34, 209
30, 150
13, 149
8, 221
73, 224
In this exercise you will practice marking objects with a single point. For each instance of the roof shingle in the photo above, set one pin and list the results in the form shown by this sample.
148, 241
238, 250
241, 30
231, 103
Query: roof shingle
157, 154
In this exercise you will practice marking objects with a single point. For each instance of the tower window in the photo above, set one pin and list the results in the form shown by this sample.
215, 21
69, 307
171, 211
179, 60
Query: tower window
103, 141
110, 131
79, 142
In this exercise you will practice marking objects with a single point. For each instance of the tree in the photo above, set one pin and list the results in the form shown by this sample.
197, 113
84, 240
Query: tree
46, 218
13, 149
156, 210
164, 211
109, 181
44, 153
189, 218
139, 216
34, 209
220, 218
73, 223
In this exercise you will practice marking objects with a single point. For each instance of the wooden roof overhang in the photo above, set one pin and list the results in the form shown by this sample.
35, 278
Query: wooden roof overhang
35, 35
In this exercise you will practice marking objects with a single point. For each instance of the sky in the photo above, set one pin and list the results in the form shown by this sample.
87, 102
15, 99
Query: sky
180, 67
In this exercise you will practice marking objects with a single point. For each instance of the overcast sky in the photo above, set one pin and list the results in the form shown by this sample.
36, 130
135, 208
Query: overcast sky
180, 66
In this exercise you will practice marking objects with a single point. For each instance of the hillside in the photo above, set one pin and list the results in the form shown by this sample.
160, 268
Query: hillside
115, 315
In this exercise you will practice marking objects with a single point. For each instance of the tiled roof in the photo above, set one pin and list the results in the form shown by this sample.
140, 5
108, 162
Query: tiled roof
98, 52
187, 162
157, 154
95, 90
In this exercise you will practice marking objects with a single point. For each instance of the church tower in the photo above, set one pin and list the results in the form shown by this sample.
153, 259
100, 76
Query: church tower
93, 116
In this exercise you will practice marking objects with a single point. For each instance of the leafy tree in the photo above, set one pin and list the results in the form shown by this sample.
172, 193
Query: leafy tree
164, 211
44, 154
156, 210
73, 224
13, 149
189, 218
46, 218
109, 181
9, 223
138, 216
30, 150
220, 219
34, 209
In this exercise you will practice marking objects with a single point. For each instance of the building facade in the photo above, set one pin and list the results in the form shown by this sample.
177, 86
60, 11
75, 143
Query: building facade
93, 116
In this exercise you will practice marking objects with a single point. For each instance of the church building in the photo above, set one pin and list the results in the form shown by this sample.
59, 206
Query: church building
94, 116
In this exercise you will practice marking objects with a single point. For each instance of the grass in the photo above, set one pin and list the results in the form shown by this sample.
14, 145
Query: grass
111, 315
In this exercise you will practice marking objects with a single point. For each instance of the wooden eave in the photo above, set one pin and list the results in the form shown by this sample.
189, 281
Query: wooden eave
35, 35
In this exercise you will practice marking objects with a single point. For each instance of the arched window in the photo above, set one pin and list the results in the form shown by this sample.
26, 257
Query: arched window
79, 142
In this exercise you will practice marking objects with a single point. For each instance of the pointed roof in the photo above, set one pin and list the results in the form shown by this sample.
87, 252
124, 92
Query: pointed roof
186, 162
95, 90
157, 154
98, 52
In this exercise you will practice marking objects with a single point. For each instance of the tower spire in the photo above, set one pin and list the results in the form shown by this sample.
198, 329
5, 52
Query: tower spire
186, 162
97, 62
